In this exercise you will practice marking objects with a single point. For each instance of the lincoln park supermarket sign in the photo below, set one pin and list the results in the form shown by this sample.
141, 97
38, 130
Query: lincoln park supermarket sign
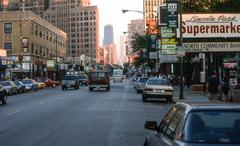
211, 25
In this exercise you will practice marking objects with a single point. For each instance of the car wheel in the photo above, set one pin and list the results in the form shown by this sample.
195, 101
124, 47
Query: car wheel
138, 91
4, 100
144, 99
170, 99
145, 143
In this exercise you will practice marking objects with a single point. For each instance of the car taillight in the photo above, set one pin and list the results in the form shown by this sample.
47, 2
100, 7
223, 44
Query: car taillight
148, 89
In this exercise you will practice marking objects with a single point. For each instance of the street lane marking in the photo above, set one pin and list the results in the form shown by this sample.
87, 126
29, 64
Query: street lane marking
14, 112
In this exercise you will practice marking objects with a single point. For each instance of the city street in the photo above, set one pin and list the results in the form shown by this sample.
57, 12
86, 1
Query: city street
52, 117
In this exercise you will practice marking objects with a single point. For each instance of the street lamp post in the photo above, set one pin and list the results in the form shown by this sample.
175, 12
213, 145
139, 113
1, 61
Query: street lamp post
180, 46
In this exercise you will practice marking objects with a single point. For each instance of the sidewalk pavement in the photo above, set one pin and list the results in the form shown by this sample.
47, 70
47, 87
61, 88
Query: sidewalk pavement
189, 95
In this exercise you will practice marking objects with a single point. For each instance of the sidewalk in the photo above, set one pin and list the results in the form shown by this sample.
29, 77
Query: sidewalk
189, 95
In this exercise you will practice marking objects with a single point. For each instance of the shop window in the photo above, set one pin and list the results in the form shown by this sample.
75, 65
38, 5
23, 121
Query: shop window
7, 27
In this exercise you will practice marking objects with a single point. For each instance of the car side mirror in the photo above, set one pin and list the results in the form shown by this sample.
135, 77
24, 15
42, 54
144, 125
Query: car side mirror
151, 125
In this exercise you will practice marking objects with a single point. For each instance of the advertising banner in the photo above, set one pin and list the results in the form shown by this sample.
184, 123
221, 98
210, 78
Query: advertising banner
167, 32
172, 11
212, 47
25, 45
211, 25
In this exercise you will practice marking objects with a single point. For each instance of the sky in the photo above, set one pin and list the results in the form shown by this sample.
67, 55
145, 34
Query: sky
110, 12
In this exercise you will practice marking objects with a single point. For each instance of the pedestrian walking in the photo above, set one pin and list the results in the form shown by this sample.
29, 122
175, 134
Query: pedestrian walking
225, 89
213, 87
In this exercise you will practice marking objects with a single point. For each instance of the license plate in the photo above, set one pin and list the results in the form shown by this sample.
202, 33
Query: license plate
68, 85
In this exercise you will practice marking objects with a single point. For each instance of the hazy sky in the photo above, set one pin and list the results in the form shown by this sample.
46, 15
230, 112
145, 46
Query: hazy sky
110, 13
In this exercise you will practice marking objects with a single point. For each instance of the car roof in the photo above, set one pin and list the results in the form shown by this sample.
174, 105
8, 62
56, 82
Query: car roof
191, 106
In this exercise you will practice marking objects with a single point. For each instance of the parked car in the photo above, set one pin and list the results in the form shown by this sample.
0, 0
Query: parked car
52, 83
3, 95
41, 85
83, 80
30, 84
196, 124
20, 87
70, 81
141, 83
98, 79
157, 88
10, 87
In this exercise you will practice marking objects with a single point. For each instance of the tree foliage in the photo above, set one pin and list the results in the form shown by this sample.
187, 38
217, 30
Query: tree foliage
140, 41
220, 6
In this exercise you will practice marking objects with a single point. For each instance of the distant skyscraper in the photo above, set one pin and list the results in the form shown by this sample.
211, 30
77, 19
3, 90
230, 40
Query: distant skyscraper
150, 11
108, 35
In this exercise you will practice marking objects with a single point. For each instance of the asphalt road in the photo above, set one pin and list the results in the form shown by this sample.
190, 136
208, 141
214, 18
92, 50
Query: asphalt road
51, 117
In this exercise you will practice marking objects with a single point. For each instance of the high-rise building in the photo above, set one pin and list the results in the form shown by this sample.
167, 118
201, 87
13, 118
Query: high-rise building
80, 21
123, 49
76, 17
150, 11
108, 35
134, 27
37, 6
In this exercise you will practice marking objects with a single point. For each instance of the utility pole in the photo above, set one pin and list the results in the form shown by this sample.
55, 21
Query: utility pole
181, 47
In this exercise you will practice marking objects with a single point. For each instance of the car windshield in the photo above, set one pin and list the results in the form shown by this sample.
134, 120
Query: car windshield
215, 127
5, 83
143, 80
27, 81
69, 78
98, 75
158, 82
82, 77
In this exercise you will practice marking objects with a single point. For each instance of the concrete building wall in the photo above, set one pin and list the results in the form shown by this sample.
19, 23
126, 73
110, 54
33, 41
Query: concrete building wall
45, 41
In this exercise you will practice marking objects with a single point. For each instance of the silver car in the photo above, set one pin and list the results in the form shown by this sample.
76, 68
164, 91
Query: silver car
30, 84
196, 124
141, 83
10, 87
157, 88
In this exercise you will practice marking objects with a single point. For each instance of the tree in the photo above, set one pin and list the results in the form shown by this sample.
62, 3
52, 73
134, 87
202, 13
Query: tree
220, 6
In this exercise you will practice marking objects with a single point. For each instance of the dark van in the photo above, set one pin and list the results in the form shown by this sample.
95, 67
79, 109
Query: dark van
98, 79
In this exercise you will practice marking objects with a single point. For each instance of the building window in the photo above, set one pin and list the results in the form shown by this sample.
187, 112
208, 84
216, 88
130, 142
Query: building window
8, 27
8, 47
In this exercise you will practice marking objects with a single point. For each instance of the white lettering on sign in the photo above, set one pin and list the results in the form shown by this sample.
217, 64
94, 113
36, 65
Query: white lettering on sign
211, 25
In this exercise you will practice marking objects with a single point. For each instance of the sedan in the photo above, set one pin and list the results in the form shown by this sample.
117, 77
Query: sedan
52, 83
3, 95
10, 87
20, 86
157, 88
83, 80
196, 124
141, 83
30, 84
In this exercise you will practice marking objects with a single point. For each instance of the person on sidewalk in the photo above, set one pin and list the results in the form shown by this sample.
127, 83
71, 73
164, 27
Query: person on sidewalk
225, 88
213, 87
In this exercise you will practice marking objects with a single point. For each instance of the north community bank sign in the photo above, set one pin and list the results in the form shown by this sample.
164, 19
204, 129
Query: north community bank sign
212, 47
211, 25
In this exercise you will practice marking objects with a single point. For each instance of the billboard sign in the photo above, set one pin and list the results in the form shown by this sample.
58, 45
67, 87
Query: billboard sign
50, 63
25, 45
167, 32
172, 17
212, 47
211, 25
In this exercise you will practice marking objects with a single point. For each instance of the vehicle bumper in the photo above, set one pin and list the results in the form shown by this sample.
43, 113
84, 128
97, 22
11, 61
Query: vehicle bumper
158, 95
69, 85
98, 86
